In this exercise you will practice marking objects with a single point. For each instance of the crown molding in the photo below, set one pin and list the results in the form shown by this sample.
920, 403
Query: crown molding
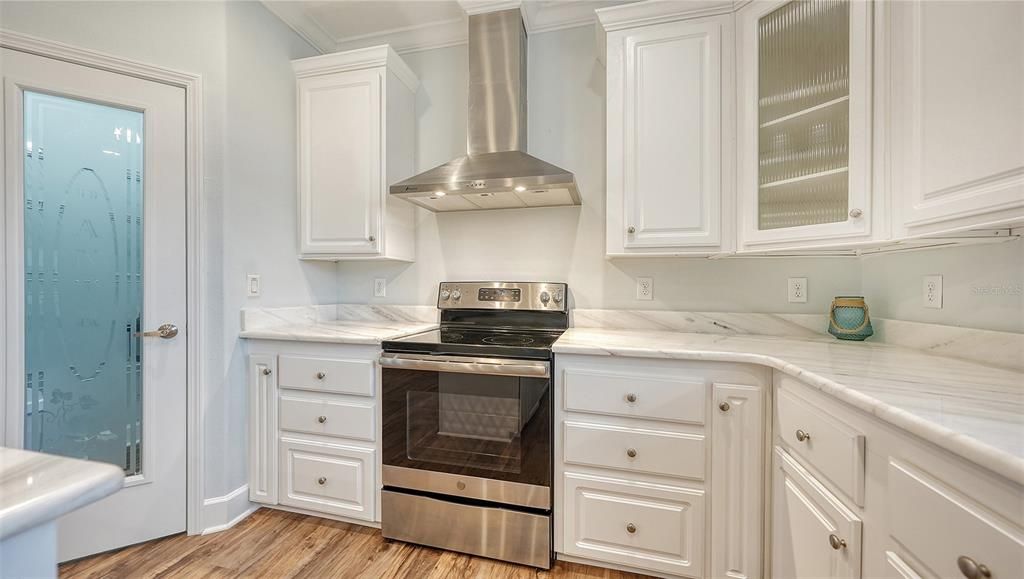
363, 58
413, 38
659, 11
294, 15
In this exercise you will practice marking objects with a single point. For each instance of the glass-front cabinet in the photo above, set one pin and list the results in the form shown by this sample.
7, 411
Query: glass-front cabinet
804, 123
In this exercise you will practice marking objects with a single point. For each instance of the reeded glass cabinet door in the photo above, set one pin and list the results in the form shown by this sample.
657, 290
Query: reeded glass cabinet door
806, 119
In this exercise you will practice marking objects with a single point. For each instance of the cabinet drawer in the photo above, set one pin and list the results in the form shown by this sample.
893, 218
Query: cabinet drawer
329, 478
656, 527
814, 534
828, 444
326, 375
938, 525
658, 397
654, 451
344, 419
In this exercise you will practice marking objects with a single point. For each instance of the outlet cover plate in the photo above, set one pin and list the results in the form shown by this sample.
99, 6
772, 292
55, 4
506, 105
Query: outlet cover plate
380, 287
797, 290
931, 291
645, 288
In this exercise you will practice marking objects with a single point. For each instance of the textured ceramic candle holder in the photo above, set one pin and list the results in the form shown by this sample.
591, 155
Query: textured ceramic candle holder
848, 318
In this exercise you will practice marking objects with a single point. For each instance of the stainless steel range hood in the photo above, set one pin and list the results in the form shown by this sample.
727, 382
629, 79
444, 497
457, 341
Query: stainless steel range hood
496, 173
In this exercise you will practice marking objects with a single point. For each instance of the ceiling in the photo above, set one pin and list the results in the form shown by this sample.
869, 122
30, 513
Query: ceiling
412, 25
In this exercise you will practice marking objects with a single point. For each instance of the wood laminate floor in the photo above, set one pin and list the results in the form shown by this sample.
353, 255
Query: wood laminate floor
273, 543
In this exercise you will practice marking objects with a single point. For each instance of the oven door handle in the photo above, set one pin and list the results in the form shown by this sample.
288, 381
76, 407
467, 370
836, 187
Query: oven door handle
466, 365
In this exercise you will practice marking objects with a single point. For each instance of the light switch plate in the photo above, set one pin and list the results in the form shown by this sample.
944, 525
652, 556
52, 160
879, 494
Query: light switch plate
253, 286
380, 287
931, 291
798, 290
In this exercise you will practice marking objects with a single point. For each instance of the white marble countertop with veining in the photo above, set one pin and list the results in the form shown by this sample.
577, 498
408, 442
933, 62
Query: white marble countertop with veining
970, 409
36, 488
339, 331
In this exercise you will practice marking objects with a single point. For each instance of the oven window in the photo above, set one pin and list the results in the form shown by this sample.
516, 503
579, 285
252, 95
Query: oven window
488, 426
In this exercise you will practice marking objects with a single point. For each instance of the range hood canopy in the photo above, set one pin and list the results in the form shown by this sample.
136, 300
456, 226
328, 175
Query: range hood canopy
496, 173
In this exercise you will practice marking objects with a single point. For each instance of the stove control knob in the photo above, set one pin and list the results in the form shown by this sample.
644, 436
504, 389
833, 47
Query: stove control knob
545, 297
558, 297
456, 294
445, 294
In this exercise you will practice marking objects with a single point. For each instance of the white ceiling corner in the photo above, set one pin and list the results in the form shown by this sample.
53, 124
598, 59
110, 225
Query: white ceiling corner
294, 15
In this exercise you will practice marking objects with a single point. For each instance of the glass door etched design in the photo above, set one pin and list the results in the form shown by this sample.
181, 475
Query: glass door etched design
803, 56
83, 179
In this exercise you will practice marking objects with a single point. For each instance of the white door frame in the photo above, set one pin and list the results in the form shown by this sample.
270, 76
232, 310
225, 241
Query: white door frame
11, 314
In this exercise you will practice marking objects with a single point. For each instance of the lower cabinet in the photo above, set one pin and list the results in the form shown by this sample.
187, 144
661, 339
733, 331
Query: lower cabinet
329, 478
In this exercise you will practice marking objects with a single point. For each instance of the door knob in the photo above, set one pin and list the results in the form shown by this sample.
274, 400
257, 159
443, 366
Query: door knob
165, 331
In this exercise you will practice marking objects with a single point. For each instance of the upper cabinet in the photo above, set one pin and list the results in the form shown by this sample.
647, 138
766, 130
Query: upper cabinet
956, 88
356, 133
669, 127
804, 124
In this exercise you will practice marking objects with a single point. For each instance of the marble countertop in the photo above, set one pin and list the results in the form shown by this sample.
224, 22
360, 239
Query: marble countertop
36, 488
339, 331
971, 409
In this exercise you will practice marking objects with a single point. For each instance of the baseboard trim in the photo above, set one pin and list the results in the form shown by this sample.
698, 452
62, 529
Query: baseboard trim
223, 512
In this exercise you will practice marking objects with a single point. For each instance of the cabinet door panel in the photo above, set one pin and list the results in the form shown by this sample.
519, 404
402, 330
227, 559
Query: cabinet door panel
263, 428
340, 189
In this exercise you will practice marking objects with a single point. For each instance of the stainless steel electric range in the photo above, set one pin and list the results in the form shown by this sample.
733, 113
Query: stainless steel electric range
467, 423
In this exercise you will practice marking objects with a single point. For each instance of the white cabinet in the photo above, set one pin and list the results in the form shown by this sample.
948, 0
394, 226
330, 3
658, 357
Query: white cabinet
804, 125
957, 97
356, 132
262, 381
669, 126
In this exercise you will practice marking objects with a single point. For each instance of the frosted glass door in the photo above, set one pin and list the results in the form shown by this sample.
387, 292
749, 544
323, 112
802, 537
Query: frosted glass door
83, 184
803, 105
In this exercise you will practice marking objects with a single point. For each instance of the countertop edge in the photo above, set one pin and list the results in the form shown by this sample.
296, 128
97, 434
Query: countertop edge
966, 447
285, 334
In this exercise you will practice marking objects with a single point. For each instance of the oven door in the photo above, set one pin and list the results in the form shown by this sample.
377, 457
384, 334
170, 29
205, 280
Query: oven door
477, 428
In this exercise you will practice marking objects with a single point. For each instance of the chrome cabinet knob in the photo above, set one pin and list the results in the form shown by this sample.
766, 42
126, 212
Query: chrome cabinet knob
321, 419
630, 528
724, 407
631, 452
322, 480
372, 238
631, 230
971, 569
267, 371
321, 375
856, 213
630, 397
835, 542
165, 331
803, 436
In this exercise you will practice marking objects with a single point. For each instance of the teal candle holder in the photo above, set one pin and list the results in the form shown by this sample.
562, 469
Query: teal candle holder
848, 318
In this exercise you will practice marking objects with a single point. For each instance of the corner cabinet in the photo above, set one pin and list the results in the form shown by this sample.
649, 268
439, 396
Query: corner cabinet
670, 105
804, 128
356, 133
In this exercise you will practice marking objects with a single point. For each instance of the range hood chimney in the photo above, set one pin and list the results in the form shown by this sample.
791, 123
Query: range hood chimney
497, 173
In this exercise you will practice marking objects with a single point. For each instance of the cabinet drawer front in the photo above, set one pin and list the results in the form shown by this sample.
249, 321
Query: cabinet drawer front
829, 445
654, 527
641, 396
938, 524
655, 451
335, 479
326, 375
344, 419
805, 517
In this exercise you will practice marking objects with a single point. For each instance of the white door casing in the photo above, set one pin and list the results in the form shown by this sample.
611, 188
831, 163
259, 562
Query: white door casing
153, 502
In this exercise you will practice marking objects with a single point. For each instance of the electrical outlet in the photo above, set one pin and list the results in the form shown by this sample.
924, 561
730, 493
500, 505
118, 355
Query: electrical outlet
380, 287
932, 291
252, 285
798, 290
645, 288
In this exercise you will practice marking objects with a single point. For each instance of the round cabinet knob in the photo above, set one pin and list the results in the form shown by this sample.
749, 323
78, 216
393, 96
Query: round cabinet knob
456, 294
631, 452
630, 397
724, 407
631, 230
321, 419
971, 569
460, 485
803, 436
322, 480
372, 238
856, 213
835, 542
267, 371
445, 294
321, 375
545, 297
630, 528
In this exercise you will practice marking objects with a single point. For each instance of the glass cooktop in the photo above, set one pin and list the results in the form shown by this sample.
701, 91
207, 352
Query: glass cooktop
517, 343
